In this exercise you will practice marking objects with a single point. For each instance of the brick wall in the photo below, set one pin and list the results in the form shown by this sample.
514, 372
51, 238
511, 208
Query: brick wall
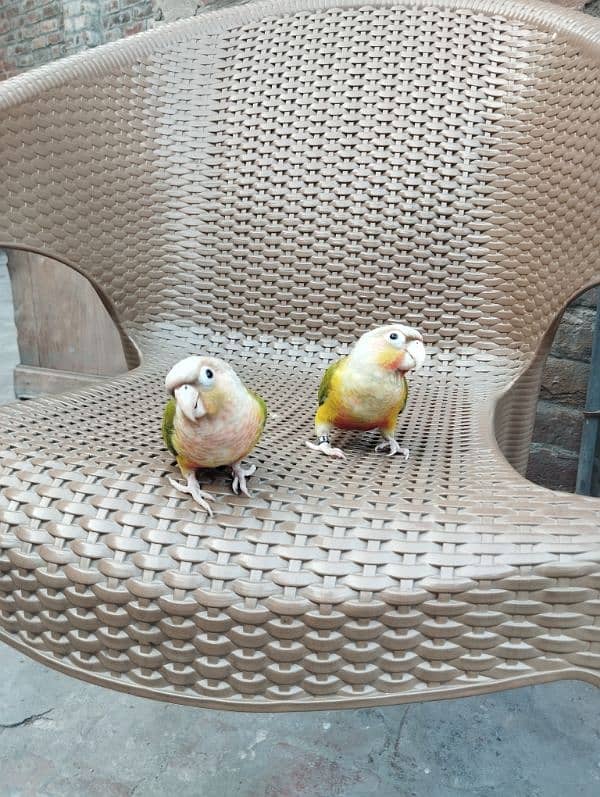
123, 18
33, 32
557, 432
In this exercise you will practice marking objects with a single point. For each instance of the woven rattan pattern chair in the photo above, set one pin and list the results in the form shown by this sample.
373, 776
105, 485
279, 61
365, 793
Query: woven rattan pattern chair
266, 183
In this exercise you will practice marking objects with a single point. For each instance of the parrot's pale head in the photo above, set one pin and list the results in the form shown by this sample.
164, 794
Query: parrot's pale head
202, 386
394, 347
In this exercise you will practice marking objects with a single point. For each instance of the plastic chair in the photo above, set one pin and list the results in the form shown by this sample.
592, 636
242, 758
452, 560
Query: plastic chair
265, 183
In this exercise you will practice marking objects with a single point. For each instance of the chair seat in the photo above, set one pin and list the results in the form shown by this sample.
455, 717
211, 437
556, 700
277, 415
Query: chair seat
338, 583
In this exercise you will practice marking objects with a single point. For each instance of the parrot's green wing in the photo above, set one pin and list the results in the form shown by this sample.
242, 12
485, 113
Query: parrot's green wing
168, 424
405, 396
325, 385
263, 411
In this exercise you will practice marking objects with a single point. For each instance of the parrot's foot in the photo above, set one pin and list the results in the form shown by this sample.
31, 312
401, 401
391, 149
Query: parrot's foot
325, 448
391, 444
193, 488
239, 477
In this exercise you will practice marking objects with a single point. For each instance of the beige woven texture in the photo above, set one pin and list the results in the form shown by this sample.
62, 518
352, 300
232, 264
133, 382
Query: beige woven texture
265, 183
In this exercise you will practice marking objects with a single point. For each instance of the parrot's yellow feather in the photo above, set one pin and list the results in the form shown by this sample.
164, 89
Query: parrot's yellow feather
344, 405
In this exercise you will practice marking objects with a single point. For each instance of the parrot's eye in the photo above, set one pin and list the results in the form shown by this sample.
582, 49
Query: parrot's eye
207, 377
397, 339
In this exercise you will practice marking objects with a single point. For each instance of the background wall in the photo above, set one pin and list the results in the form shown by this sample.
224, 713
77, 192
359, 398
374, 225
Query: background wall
557, 433
33, 32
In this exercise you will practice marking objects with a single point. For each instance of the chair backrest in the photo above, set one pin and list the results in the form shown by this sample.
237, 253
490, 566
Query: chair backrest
313, 168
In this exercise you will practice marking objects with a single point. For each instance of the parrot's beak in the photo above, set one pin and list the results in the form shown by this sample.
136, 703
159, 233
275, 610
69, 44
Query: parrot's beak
413, 356
188, 399
183, 373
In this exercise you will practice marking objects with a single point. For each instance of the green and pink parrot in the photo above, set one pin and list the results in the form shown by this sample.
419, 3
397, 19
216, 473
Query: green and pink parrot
211, 420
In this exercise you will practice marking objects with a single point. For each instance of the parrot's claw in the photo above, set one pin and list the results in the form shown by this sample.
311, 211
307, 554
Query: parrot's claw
327, 449
240, 475
193, 488
392, 445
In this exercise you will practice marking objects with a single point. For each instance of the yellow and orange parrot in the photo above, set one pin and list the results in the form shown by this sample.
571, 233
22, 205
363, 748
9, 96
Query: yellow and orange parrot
211, 420
368, 389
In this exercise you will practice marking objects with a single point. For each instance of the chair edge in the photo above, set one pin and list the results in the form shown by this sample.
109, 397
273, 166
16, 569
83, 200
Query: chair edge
582, 28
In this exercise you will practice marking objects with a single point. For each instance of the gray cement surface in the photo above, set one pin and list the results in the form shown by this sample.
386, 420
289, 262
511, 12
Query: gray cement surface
63, 738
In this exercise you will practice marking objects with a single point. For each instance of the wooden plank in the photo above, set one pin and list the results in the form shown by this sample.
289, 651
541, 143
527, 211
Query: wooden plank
591, 424
31, 382
61, 321
20, 268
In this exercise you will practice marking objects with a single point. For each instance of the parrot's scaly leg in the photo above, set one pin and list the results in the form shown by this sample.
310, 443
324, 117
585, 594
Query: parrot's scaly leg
240, 475
326, 448
391, 444
193, 488
323, 428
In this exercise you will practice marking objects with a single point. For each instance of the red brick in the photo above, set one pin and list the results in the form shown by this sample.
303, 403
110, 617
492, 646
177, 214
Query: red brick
33, 16
137, 28
52, 10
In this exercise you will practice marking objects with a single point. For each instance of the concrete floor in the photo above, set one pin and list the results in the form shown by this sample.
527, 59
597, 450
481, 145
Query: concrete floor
62, 738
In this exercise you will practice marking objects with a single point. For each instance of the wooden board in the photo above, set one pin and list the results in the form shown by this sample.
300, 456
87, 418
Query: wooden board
62, 326
32, 381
